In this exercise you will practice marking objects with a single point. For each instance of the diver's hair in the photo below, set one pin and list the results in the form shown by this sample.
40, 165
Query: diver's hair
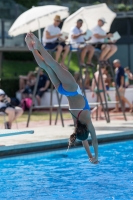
79, 130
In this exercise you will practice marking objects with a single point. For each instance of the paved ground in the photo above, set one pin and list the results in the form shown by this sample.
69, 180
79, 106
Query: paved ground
49, 135
34, 124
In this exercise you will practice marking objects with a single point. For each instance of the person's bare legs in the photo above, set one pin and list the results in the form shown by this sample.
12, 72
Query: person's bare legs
113, 49
11, 115
38, 100
83, 54
105, 49
99, 107
18, 112
63, 75
40, 61
125, 100
116, 105
58, 52
64, 55
91, 50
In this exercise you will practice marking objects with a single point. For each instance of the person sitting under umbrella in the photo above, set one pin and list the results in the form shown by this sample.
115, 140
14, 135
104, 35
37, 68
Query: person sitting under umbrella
98, 40
52, 40
77, 37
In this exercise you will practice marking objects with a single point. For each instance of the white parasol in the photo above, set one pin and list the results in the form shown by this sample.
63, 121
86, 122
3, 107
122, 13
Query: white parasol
36, 18
90, 16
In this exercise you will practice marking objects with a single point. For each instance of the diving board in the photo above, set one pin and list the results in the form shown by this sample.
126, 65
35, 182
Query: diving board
5, 133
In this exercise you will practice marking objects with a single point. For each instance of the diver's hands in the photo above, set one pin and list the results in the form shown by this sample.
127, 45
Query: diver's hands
93, 160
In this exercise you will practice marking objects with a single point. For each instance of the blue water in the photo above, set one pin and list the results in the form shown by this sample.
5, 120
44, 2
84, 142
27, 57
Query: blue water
60, 175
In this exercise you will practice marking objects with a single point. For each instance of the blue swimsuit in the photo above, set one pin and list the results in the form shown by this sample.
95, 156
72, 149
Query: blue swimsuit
62, 91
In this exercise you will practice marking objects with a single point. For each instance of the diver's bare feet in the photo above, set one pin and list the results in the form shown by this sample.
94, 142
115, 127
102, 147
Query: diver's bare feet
36, 41
29, 42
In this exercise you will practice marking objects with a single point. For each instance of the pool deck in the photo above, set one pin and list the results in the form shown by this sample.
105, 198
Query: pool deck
47, 138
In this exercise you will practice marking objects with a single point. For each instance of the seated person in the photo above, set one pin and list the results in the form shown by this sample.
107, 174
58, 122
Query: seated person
98, 40
29, 87
52, 40
128, 76
43, 85
7, 107
24, 79
77, 36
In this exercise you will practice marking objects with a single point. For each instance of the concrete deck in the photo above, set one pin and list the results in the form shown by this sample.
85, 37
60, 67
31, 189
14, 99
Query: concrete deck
52, 137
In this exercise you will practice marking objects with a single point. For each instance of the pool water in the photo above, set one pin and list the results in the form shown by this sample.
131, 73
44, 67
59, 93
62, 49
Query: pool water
60, 175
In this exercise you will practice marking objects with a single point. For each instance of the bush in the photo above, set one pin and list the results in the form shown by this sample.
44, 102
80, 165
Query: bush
20, 56
10, 86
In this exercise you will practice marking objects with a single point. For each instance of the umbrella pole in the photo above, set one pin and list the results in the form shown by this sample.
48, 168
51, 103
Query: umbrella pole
39, 31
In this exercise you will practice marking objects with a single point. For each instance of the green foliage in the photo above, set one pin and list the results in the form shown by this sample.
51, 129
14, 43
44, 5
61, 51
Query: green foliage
97, 2
74, 6
10, 86
58, 2
20, 56
27, 3
122, 7
12, 69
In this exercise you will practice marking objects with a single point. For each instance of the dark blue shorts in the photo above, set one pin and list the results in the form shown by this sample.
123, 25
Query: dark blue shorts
107, 87
40, 93
54, 45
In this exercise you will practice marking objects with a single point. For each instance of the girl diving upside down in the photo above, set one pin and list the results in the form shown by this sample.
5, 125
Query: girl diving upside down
66, 85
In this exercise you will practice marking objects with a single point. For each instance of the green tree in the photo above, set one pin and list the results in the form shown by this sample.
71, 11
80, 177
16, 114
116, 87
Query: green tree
74, 6
27, 3
58, 2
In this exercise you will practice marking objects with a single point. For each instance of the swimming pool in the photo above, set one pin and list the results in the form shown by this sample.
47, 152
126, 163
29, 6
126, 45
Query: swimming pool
60, 175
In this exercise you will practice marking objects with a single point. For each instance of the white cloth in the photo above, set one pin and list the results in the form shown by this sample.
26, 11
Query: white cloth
76, 31
2, 92
1, 103
53, 30
97, 30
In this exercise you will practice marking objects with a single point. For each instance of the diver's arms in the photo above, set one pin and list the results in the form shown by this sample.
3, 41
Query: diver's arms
87, 148
94, 139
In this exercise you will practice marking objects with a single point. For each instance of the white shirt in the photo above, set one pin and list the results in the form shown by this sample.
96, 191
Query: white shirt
53, 30
75, 31
2, 104
97, 30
